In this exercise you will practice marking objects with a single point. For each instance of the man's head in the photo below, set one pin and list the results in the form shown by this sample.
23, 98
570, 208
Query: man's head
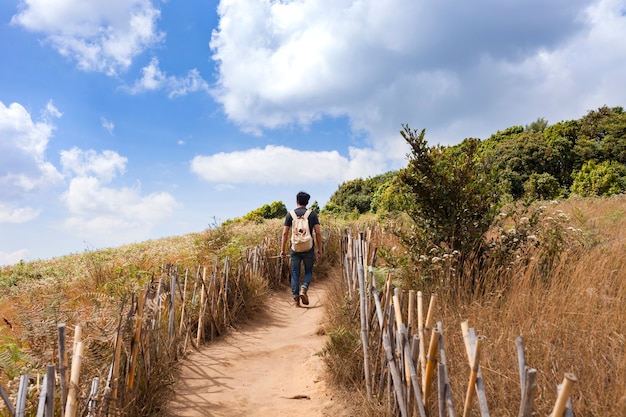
302, 198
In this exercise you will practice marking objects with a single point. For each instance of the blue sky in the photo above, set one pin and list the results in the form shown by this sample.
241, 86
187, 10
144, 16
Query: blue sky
128, 120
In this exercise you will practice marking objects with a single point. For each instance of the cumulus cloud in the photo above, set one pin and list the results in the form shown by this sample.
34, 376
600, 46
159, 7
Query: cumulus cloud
24, 169
13, 257
101, 211
154, 79
17, 215
282, 165
99, 36
457, 69
104, 166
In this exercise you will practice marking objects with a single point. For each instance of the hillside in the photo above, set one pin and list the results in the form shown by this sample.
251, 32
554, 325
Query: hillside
571, 311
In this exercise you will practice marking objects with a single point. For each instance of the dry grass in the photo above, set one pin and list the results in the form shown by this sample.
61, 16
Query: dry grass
573, 320
570, 312
87, 289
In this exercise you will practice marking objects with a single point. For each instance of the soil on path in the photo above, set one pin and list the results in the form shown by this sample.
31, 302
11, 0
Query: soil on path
268, 366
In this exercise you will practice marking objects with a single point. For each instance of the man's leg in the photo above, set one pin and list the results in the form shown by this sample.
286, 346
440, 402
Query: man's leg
309, 259
296, 259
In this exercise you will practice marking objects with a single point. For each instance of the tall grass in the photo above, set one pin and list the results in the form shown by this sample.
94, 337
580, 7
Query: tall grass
566, 298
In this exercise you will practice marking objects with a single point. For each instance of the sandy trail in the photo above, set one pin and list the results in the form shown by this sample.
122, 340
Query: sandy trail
267, 367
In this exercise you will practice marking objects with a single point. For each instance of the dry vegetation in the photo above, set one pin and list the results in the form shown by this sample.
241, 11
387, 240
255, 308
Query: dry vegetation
566, 299
88, 289
570, 309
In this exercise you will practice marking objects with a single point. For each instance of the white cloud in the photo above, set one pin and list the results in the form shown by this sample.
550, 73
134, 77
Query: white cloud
104, 166
154, 79
457, 69
99, 36
282, 165
102, 212
23, 165
13, 257
107, 125
17, 215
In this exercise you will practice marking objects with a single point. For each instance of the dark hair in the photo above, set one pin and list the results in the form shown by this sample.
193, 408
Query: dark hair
303, 198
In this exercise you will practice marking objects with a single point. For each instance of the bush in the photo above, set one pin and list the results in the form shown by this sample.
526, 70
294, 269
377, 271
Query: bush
603, 179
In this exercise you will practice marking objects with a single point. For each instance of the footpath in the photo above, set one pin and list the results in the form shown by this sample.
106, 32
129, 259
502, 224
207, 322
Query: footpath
267, 367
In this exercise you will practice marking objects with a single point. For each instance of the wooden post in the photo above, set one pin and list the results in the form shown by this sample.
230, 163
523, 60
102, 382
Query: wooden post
431, 308
431, 360
134, 350
364, 335
62, 365
91, 403
530, 387
395, 375
469, 339
201, 308
22, 394
113, 383
444, 370
77, 360
421, 333
471, 387
566, 389
413, 373
5, 396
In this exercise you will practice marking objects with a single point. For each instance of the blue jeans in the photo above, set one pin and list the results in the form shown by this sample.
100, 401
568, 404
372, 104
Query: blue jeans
297, 258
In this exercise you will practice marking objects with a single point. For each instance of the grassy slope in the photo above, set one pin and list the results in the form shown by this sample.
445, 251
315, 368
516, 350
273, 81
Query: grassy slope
573, 322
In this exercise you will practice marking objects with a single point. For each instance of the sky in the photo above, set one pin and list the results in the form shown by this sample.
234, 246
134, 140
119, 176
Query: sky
123, 121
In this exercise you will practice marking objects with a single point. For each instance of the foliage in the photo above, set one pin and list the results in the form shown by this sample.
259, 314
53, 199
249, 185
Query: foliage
603, 179
542, 187
453, 193
275, 210
356, 195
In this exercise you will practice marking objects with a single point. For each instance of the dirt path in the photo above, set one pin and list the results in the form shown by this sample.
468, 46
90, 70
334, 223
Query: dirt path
267, 367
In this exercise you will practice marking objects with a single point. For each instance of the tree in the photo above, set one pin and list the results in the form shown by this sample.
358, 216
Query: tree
275, 210
542, 186
603, 179
517, 155
538, 125
453, 193
356, 195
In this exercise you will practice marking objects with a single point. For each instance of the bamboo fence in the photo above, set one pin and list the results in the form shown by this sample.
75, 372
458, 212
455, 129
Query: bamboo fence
176, 311
404, 361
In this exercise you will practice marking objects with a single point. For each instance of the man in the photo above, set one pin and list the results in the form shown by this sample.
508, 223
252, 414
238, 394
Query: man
308, 257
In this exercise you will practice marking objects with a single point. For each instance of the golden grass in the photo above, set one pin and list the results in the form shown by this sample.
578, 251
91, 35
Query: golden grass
572, 319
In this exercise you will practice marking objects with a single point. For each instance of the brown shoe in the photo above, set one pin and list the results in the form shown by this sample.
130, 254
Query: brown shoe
296, 302
303, 297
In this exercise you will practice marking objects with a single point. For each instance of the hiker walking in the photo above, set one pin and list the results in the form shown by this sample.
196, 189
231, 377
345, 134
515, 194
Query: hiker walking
306, 245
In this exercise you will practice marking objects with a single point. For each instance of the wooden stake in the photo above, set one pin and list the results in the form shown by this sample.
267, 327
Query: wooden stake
77, 361
134, 351
421, 334
566, 389
431, 308
471, 386
431, 360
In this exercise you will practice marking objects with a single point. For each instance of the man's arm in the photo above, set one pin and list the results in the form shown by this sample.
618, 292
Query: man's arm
284, 240
318, 240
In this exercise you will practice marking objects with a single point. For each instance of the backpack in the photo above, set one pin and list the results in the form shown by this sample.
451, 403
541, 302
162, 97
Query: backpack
301, 239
